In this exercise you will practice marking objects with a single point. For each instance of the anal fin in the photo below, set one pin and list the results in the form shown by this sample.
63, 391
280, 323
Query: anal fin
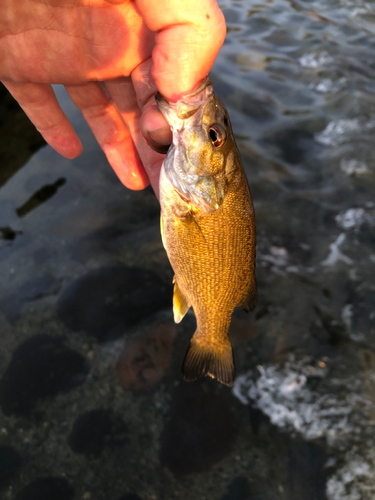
180, 303
209, 359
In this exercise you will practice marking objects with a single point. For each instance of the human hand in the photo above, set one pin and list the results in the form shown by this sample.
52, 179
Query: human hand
112, 56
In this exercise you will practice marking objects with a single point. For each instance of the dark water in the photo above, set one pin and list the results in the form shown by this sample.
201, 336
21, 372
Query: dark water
92, 401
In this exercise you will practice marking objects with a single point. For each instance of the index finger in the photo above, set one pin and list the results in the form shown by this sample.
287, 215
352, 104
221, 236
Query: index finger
188, 38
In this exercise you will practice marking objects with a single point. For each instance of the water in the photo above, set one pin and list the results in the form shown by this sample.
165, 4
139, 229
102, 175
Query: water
92, 401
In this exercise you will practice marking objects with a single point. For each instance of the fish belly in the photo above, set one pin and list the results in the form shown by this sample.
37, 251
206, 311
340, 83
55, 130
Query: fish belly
213, 257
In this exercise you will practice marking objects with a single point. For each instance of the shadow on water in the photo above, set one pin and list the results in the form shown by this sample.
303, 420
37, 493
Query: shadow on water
7, 233
41, 196
19, 137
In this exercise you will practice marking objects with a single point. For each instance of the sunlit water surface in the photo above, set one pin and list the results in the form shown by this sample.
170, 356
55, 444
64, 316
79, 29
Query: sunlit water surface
93, 405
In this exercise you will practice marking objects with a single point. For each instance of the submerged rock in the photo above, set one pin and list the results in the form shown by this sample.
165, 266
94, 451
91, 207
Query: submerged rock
41, 367
107, 301
199, 430
95, 429
47, 488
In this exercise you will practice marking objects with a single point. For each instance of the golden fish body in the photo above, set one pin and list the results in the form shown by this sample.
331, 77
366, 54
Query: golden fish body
208, 228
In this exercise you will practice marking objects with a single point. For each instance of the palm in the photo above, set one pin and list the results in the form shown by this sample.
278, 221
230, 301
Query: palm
77, 44
83, 43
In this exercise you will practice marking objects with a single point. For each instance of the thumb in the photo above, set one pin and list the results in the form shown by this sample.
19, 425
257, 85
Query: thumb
188, 38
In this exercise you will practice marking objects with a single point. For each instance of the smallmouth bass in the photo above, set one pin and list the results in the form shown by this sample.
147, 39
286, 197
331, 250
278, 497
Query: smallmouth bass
207, 227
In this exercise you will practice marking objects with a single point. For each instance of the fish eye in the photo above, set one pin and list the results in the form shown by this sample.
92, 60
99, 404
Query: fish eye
217, 135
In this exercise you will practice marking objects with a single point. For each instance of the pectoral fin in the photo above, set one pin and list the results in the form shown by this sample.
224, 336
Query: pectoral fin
249, 301
162, 230
180, 303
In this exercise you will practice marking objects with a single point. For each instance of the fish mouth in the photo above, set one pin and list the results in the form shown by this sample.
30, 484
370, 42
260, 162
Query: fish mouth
186, 106
204, 192
160, 99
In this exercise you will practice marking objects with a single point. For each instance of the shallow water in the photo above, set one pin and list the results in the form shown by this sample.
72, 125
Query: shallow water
92, 401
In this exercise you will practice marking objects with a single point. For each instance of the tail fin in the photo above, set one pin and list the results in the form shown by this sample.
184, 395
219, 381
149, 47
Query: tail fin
213, 360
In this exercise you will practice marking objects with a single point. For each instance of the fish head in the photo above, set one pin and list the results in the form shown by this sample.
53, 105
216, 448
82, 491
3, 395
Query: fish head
202, 157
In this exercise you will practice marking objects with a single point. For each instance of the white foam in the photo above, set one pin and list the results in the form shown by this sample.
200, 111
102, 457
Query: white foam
315, 60
354, 480
283, 394
353, 217
337, 132
277, 257
353, 167
328, 86
335, 254
337, 410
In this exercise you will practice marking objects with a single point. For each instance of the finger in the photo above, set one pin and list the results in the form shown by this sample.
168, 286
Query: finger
188, 38
157, 136
40, 104
123, 94
111, 133
153, 125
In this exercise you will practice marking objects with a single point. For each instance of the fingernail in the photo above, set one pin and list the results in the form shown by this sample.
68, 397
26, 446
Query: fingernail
159, 140
162, 135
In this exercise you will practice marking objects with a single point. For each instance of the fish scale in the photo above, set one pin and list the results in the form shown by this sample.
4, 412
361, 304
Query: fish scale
209, 238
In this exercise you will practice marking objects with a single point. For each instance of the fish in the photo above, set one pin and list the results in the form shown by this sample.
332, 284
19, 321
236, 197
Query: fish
207, 228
